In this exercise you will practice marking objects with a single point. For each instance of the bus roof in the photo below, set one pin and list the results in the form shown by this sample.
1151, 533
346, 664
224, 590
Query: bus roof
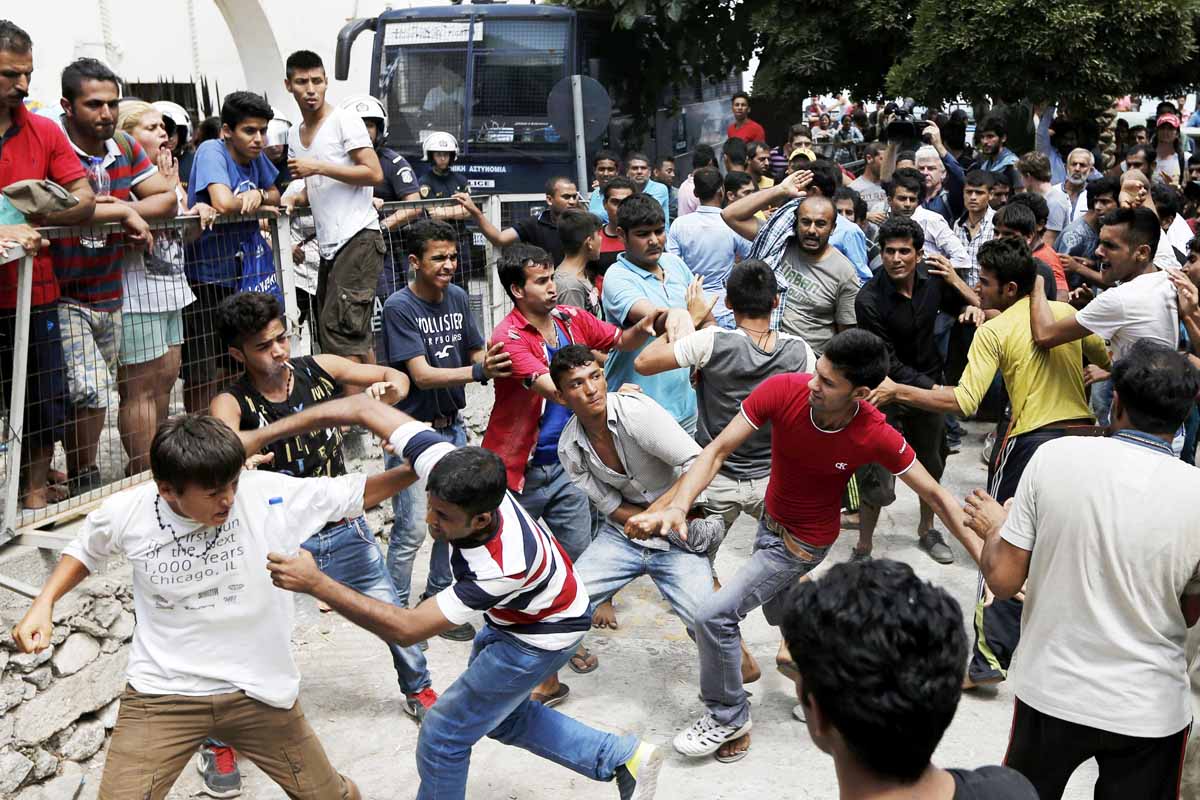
484, 10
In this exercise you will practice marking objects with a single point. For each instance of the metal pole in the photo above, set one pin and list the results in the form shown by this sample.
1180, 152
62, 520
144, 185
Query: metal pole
580, 138
495, 294
285, 273
16, 400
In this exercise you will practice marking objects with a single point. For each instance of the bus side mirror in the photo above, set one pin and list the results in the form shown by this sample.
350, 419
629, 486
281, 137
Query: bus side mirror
345, 43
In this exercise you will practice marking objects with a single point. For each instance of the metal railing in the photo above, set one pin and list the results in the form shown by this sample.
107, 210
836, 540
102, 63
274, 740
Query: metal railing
119, 374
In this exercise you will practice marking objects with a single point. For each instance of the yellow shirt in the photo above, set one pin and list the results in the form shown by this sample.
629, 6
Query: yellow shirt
1044, 386
765, 183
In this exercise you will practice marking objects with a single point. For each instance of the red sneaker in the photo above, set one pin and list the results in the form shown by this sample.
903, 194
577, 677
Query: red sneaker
418, 705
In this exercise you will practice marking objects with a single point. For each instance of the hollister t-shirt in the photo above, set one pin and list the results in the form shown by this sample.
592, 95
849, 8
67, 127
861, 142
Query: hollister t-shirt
445, 333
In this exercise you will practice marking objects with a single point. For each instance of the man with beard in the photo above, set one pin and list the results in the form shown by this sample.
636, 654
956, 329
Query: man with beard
1080, 168
992, 138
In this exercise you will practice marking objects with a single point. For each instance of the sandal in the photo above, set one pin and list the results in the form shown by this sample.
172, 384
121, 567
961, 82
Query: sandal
730, 759
551, 700
579, 662
787, 669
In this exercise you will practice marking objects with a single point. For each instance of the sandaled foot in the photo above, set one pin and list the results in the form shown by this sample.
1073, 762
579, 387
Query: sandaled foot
552, 699
970, 683
605, 616
734, 751
583, 661
860, 554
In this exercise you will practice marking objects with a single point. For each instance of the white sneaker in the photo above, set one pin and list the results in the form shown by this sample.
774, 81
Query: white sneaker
706, 735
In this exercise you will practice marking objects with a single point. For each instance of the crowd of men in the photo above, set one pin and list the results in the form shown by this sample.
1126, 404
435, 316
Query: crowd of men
774, 337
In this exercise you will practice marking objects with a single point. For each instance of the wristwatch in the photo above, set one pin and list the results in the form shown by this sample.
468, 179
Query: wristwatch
477, 373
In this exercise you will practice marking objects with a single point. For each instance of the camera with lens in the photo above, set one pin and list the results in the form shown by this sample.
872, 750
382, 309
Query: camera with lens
903, 126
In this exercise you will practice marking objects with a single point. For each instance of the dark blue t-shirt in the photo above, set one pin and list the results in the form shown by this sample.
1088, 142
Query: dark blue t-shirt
554, 416
445, 333
213, 257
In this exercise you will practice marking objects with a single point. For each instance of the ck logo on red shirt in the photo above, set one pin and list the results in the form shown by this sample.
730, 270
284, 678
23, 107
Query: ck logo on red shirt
841, 465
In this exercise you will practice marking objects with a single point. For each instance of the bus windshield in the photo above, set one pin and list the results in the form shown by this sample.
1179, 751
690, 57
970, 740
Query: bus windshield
514, 64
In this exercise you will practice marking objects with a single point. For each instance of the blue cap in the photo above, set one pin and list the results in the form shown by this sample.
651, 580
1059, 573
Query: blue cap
275, 501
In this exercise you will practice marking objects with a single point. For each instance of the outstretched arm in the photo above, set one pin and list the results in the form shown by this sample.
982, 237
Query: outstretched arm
391, 623
669, 512
32, 633
379, 418
944, 505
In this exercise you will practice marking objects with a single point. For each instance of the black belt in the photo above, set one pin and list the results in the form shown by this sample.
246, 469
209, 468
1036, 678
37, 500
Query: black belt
441, 423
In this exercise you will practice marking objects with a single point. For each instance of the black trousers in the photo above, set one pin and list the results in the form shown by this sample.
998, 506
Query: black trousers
1047, 750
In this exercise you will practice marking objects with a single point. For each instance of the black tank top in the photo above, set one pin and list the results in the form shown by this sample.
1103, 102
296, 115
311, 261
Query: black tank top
309, 455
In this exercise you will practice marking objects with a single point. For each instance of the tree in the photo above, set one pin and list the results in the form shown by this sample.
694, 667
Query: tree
1080, 53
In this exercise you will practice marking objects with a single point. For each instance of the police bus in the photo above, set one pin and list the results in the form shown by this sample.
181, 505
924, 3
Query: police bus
483, 73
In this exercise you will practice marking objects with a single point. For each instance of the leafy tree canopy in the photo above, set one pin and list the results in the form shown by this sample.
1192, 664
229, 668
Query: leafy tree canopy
1080, 53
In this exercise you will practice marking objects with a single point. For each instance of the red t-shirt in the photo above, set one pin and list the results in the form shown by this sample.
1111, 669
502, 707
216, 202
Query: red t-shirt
610, 248
1050, 258
38, 149
748, 131
810, 467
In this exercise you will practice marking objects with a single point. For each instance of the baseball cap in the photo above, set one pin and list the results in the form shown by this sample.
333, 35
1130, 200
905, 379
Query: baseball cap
1168, 119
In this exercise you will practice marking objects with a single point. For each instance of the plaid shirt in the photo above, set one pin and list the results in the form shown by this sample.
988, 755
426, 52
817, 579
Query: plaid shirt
769, 245
987, 232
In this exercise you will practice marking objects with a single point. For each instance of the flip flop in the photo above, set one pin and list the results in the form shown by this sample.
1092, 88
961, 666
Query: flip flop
585, 669
738, 756
551, 700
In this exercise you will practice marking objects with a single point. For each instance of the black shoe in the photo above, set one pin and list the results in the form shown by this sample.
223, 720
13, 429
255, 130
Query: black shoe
932, 543
461, 633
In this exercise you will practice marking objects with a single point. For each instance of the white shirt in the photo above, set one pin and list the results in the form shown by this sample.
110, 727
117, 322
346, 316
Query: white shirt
209, 621
1164, 256
339, 209
939, 239
1146, 307
1102, 632
1179, 234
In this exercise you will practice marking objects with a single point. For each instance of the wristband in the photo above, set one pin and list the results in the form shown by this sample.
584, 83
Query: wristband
477, 373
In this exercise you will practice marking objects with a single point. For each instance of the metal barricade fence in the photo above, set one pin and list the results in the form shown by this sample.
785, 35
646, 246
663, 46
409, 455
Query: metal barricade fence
133, 337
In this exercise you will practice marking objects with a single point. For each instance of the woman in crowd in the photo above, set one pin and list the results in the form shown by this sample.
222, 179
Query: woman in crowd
155, 294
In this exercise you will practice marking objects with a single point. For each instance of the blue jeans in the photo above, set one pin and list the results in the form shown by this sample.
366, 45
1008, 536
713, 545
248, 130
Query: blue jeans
563, 506
492, 699
408, 531
613, 561
762, 581
347, 552
1101, 402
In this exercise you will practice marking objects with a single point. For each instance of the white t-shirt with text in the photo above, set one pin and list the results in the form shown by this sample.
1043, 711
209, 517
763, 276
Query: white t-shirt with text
209, 620
340, 210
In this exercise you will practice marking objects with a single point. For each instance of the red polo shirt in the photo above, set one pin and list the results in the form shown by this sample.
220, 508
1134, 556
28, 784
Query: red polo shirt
748, 131
35, 148
512, 430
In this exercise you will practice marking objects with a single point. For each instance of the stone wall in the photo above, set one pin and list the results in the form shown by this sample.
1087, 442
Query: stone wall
58, 706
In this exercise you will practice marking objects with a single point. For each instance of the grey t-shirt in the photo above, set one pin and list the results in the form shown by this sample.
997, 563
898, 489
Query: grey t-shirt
820, 294
573, 291
872, 193
729, 365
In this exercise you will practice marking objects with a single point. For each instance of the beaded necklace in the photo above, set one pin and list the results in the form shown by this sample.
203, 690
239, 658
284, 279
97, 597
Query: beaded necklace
191, 551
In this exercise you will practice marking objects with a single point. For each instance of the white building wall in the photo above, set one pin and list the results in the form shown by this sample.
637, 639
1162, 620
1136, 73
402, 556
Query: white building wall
151, 39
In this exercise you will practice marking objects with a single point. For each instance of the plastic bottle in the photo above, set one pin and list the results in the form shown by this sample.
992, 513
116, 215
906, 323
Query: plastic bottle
101, 187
